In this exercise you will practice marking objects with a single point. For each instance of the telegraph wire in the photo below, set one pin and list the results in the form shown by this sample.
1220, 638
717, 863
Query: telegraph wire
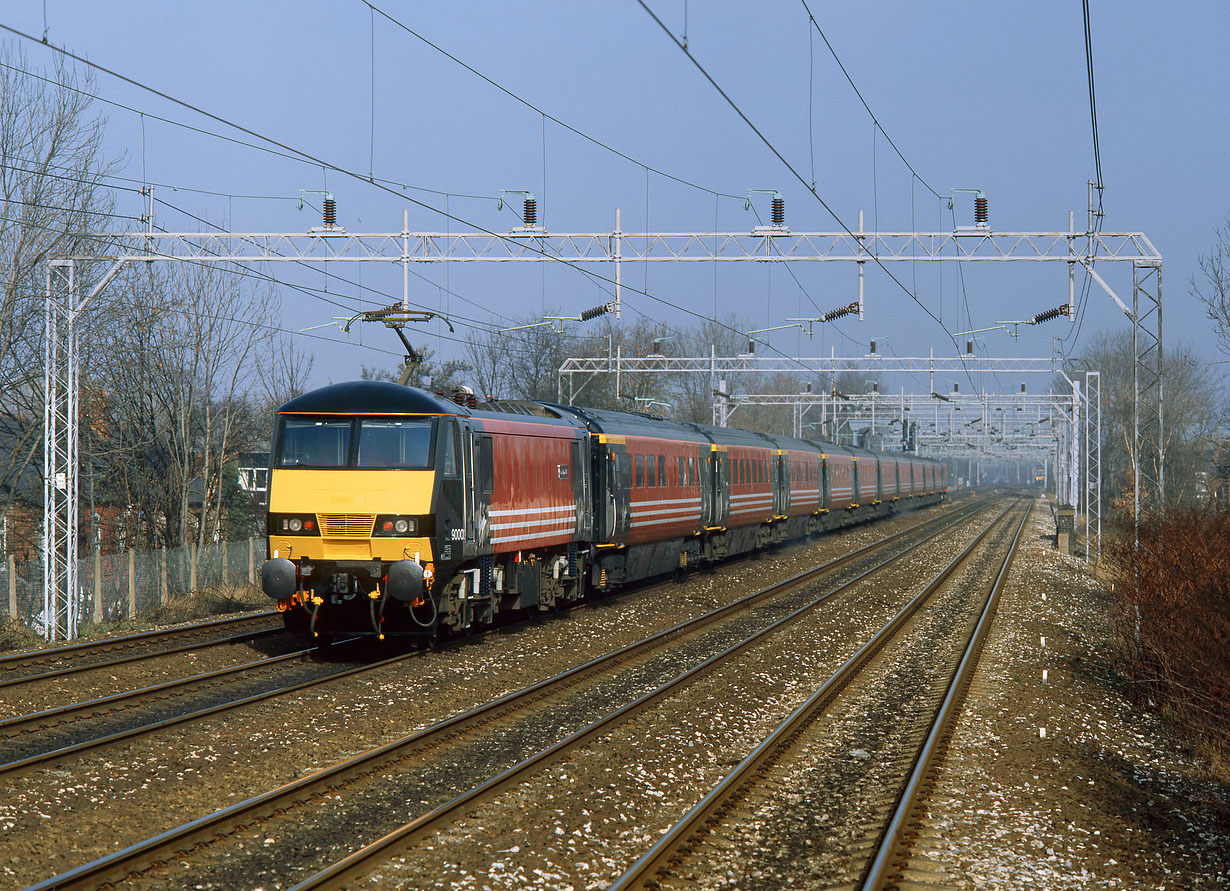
772, 148
1093, 104
538, 110
473, 322
174, 123
300, 155
812, 19
174, 188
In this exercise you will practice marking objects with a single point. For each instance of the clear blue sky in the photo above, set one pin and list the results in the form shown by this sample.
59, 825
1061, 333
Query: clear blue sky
976, 95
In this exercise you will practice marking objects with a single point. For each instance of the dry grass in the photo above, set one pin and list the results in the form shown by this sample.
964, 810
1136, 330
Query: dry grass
205, 604
1173, 618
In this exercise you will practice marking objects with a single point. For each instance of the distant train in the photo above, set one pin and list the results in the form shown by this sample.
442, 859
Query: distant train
393, 511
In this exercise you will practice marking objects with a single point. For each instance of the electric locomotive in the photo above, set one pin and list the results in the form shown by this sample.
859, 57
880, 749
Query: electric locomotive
389, 505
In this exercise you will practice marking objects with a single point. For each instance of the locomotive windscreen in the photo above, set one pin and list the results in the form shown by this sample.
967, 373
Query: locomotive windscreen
372, 443
314, 444
395, 443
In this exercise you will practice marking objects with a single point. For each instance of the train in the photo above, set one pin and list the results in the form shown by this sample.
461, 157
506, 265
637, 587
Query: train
394, 511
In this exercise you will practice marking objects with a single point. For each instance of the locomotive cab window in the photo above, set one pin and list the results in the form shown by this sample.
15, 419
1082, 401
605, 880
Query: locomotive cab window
449, 448
306, 443
394, 443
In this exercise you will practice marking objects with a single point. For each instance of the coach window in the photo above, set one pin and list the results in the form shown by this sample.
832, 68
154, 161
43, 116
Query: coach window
661, 470
640, 470
681, 476
623, 469
651, 470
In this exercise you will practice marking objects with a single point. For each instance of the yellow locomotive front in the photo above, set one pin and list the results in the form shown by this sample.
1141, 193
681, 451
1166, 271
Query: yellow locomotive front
364, 477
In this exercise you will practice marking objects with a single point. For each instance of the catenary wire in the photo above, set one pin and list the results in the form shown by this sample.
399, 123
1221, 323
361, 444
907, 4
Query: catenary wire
772, 148
325, 165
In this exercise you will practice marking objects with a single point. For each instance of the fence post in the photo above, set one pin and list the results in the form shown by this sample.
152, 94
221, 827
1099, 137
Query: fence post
12, 587
251, 560
98, 607
132, 583
192, 558
222, 545
163, 593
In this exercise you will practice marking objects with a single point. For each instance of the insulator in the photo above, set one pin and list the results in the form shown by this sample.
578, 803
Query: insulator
779, 211
843, 311
980, 210
330, 213
595, 311
531, 212
1051, 314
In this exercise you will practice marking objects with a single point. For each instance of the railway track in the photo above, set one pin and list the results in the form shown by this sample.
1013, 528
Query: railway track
492, 735
876, 859
57, 662
48, 736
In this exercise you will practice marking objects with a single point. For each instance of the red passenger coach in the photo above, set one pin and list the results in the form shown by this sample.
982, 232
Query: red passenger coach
804, 476
665, 498
839, 465
535, 491
751, 488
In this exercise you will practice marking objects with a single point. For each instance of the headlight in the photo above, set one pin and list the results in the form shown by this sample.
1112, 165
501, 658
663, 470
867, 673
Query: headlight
394, 525
292, 524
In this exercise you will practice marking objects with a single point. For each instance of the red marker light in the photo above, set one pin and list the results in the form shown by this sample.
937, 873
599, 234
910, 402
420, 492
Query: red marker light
387, 526
309, 525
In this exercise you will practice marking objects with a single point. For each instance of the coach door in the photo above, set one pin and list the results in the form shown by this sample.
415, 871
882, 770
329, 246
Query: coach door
781, 485
825, 496
617, 486
580, 493
719, 469
469, 548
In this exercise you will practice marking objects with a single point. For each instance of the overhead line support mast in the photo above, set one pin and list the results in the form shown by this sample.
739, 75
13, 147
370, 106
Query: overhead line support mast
533, 244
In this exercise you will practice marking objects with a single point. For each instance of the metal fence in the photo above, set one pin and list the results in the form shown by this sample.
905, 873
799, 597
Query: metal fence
124, 585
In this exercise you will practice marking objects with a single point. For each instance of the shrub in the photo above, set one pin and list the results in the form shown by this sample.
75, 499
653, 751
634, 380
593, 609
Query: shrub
1173, 598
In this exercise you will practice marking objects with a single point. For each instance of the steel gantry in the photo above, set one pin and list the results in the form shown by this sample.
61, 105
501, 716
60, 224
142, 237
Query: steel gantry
531, 243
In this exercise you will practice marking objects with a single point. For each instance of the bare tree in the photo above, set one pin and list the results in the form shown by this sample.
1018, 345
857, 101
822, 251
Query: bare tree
534, 358
1212, 286
283, 372
181, 367
51, 172
1191, 423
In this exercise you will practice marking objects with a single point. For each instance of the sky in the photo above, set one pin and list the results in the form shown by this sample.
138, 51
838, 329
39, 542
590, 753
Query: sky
594, 107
